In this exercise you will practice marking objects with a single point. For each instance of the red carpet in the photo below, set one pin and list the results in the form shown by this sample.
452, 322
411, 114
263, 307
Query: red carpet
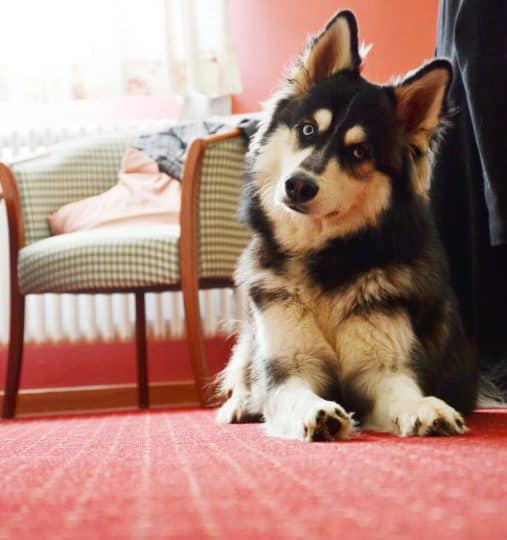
176, 474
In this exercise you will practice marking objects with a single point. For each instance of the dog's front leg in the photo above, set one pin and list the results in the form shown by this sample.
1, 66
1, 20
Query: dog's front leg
295, 411
300, 366
401, 408
375, 353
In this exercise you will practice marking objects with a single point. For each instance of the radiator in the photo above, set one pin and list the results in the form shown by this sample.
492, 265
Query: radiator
71, 318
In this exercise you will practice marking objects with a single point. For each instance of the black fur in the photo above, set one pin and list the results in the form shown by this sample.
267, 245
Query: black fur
403, 234
251, 213
276, 372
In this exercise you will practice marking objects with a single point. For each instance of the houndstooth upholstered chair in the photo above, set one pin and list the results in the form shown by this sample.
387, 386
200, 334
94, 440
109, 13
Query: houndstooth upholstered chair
202, 254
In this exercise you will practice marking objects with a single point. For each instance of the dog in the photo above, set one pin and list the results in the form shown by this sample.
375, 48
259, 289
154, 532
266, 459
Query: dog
351, 318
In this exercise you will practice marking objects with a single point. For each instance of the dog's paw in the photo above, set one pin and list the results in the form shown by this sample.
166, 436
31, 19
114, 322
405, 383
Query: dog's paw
327, 421
235, 410
428, 416
231, 411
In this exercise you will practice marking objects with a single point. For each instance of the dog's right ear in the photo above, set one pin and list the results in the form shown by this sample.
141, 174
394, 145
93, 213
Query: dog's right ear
421, 101
334, 49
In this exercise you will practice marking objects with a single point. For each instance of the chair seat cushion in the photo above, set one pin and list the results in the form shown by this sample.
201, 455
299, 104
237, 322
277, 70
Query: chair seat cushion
115, 257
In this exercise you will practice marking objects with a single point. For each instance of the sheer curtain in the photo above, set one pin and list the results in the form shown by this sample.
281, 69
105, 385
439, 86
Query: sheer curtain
56, 50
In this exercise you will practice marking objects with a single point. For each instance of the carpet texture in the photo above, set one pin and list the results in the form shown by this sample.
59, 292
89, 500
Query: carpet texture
177, 474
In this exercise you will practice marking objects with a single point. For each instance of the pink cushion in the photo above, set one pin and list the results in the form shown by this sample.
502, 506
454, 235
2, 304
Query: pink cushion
143, 195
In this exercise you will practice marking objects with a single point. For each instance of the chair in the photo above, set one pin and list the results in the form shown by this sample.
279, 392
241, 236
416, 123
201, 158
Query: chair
202, 255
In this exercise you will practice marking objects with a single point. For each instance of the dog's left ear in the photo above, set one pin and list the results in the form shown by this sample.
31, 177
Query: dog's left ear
334, 49
420, 101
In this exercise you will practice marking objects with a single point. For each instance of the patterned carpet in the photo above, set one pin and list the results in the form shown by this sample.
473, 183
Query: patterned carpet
177, 474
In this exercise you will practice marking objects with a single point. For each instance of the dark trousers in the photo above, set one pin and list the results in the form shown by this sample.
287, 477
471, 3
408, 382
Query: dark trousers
469, 179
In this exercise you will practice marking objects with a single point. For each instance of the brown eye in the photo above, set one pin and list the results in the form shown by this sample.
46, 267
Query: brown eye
360, 151
307, 129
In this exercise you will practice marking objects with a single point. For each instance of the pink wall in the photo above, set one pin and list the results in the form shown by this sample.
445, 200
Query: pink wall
269, 34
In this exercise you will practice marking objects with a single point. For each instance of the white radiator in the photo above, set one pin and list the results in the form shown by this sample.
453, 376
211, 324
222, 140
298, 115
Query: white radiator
57, 318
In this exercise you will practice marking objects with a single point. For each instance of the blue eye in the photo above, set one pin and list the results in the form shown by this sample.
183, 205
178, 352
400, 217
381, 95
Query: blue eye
307, 129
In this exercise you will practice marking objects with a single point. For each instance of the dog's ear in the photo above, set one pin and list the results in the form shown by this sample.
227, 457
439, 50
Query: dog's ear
334, 49
421, 100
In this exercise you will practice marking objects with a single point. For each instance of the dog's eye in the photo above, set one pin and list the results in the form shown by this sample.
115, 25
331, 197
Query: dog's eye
307, 129
360, 152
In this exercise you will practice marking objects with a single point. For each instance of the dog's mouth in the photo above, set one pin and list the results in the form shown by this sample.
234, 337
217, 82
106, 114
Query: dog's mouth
295, 207
333, 215
305, 210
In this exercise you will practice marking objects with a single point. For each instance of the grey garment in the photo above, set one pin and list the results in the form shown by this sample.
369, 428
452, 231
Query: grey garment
472, 34
248, 127
169, 148
469, 182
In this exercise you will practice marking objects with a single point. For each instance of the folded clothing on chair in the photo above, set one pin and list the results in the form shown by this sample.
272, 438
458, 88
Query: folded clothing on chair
142, 196
148, 191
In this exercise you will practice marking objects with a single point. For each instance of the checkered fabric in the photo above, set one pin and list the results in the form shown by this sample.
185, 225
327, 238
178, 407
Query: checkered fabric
72, 171
221, 237
122, 258
133, 257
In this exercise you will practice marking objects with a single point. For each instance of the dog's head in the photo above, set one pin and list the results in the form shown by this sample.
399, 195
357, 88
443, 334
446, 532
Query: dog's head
334, 150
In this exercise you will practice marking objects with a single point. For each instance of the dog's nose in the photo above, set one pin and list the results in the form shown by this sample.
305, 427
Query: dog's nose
300, 189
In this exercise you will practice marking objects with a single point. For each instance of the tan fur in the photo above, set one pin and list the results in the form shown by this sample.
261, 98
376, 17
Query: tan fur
421, 178
305, 354
323, 119
327, 311
419, 106
354, 135
377, 342
347, 203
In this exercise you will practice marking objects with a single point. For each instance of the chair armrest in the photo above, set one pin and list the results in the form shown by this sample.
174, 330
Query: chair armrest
192, 184
15, 228
10, 195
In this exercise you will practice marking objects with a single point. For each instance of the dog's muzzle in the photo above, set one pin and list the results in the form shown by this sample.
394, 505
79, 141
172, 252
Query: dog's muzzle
300, 189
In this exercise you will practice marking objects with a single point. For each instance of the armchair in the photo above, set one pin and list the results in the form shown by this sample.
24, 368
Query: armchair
201, 254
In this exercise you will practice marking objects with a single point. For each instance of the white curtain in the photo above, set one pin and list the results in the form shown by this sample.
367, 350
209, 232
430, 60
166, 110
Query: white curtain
56, 50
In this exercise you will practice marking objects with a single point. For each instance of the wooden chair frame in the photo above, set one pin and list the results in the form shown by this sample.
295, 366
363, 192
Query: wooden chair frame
190, 282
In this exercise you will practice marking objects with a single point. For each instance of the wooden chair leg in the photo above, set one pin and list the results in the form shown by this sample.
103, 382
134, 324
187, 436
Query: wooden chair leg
14, 355
195, 339
141, 352
189, 266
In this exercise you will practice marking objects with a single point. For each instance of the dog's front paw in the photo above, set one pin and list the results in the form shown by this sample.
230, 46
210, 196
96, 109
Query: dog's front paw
428, 416
235, 410
327, 421
228, 412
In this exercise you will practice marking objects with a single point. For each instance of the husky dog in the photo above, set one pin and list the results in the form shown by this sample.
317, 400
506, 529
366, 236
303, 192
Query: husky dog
350, 308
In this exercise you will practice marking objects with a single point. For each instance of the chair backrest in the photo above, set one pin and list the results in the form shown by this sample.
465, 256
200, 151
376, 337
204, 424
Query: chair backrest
69, 172
86, 167
221, 237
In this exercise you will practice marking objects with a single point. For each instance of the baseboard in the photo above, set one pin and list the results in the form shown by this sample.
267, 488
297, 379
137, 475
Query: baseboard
100, 398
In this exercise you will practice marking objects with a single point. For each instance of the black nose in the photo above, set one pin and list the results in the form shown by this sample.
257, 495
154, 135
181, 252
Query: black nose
300, 189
